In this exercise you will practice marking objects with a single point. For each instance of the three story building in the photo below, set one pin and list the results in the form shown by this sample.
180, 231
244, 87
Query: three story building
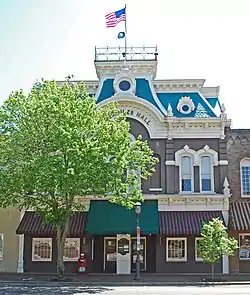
185, 125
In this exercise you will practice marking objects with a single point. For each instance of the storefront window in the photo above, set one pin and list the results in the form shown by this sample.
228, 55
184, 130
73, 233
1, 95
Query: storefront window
71, 249
1, 246
176, 249
42, 249
197, 257
244, 248
110, 249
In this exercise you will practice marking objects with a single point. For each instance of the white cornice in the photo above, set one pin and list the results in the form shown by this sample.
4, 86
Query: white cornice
210, 91
91, 86
193, 202
196, 127
186, 85
190, 120
136, 68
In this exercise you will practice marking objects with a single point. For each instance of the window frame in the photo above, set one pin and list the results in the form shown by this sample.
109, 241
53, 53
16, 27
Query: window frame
2, 235
136, 171
247, 160
192, 174
76, 258
168, 259
51, 250
212, 174
197, 259
242, 235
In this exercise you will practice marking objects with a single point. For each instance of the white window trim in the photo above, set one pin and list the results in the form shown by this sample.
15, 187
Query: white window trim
247, 160
242, 235
76, 258
192, 175
2, 235
196, 161
197, 259
176, 259
186, 151
212, 173
209, 152
42, 239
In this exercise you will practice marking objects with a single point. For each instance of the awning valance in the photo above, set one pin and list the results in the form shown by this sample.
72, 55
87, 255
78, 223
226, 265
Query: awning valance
33, 224
240, 215
106, 218
185, 222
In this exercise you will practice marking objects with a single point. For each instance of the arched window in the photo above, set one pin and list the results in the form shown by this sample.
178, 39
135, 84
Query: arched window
155, 178
245, 177
206, 174
137, 171
186, 174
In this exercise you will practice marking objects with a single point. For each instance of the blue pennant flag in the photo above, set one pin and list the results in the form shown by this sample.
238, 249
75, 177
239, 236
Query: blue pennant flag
121, 35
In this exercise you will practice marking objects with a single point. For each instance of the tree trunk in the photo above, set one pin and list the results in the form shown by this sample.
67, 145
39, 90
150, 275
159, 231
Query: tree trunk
59, 264
61, 239
213, 271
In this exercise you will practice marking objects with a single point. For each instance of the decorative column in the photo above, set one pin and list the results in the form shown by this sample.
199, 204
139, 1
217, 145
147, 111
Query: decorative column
21, 247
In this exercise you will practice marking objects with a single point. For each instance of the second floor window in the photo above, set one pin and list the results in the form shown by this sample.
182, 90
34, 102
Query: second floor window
206, 174
245, 177
186, 174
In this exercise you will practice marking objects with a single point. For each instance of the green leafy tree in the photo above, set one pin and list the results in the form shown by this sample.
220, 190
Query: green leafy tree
57, 144
215, 243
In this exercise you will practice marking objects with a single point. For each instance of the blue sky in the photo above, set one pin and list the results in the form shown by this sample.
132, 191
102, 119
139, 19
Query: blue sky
196, 39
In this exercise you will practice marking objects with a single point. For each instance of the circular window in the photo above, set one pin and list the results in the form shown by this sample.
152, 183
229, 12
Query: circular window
185, 108
124, 85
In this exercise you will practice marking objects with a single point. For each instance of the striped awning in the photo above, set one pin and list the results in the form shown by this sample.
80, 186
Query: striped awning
33, 224
240, 215
185, 222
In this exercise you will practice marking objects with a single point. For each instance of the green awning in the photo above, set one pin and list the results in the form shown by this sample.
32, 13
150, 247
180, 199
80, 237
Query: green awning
107, 218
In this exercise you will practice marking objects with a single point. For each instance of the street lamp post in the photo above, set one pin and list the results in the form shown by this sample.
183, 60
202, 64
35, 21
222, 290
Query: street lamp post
138, 240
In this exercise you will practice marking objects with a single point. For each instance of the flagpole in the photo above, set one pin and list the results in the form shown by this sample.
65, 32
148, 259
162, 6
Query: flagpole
125, 32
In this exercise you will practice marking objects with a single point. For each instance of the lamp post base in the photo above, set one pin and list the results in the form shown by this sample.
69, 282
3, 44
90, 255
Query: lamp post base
138, 279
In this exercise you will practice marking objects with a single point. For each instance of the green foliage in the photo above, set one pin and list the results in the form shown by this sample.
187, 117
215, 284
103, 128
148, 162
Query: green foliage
215, 242
56, 144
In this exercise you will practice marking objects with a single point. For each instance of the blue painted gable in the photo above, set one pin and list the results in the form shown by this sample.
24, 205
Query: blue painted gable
202, 108
107, 90
143, 91
213, 101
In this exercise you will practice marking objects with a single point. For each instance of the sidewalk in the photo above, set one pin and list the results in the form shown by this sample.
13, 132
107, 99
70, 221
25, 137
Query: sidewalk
123, 280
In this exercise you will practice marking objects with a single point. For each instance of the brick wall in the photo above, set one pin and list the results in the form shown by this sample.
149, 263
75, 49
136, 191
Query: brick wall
238, 147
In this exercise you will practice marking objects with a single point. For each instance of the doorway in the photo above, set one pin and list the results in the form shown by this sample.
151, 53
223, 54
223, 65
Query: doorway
110, 254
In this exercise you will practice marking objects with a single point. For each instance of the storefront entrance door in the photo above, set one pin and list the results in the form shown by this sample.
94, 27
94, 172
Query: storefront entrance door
123, 254
110, 254
124, 246
142, 253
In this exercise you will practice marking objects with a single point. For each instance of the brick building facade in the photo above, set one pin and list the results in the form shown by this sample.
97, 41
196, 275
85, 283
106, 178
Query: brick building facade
238, 150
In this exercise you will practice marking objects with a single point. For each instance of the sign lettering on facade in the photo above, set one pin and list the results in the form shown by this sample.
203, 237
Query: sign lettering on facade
137, 114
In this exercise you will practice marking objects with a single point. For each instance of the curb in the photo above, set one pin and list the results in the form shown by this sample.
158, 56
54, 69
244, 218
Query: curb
122, 284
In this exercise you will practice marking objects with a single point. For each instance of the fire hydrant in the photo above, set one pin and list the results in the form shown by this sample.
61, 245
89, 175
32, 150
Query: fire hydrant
82, 264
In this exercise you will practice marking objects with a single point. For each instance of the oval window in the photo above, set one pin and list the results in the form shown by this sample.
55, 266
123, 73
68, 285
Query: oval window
185, 108
124, 85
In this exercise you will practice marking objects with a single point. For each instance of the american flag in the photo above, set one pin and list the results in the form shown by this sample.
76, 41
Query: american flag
113, 18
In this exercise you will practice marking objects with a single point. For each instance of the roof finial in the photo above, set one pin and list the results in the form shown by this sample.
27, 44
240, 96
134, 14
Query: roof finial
169, 111
223, 112
226, 189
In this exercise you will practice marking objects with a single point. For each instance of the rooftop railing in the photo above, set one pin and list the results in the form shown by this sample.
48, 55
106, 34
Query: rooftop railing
131, 53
